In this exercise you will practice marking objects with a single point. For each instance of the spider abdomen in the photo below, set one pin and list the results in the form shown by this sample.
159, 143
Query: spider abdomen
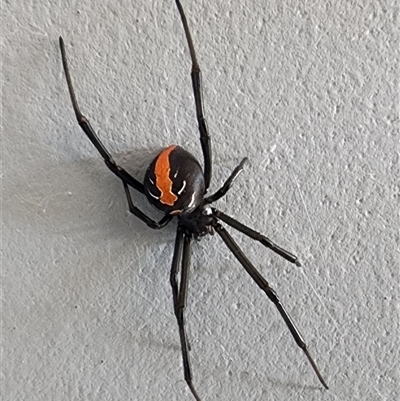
174, 181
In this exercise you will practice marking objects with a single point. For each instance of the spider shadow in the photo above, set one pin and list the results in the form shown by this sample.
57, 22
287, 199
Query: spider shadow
83, 198
267, 383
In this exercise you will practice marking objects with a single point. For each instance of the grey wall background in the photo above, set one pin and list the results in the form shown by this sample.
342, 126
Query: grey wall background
309, 92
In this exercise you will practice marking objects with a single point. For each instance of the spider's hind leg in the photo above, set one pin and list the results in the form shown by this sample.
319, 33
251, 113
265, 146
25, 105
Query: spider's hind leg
198, 99
89, 131
142, 216
125, 177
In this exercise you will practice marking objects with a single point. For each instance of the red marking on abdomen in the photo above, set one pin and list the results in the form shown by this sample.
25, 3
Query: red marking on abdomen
163, 182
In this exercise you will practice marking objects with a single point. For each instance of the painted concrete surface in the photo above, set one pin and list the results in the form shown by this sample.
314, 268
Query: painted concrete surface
308, 91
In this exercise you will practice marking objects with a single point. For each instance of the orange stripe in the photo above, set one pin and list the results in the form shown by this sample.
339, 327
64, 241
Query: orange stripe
163, 182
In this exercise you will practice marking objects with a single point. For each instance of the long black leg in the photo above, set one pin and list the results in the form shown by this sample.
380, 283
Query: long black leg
182, 248
173, 278
138, 213
197, 89
228, 183
263, 284
87, 128
256, 236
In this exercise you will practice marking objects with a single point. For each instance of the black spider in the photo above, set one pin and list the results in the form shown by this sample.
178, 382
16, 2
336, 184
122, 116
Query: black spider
176, 184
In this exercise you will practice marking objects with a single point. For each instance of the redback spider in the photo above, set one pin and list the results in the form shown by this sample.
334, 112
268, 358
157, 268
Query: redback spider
176, 185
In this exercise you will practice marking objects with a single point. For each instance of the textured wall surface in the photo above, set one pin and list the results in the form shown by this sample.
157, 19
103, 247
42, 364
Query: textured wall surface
308, 90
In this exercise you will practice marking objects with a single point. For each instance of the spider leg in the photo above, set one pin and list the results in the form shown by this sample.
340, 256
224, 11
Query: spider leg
138, 213
228, 183
198, 90
263, 284
126, 178
182, 253
87, 128
173, 278
256, 236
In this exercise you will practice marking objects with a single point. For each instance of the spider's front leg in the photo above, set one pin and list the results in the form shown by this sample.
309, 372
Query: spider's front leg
182, 254
264, 285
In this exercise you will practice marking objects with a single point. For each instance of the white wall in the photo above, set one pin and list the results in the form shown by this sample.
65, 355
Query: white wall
309, 92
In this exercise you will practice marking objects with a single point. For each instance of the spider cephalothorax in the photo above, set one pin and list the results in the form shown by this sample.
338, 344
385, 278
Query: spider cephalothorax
176, 185
200, 222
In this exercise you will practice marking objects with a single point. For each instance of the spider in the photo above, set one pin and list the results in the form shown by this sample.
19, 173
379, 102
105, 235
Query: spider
176, 185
